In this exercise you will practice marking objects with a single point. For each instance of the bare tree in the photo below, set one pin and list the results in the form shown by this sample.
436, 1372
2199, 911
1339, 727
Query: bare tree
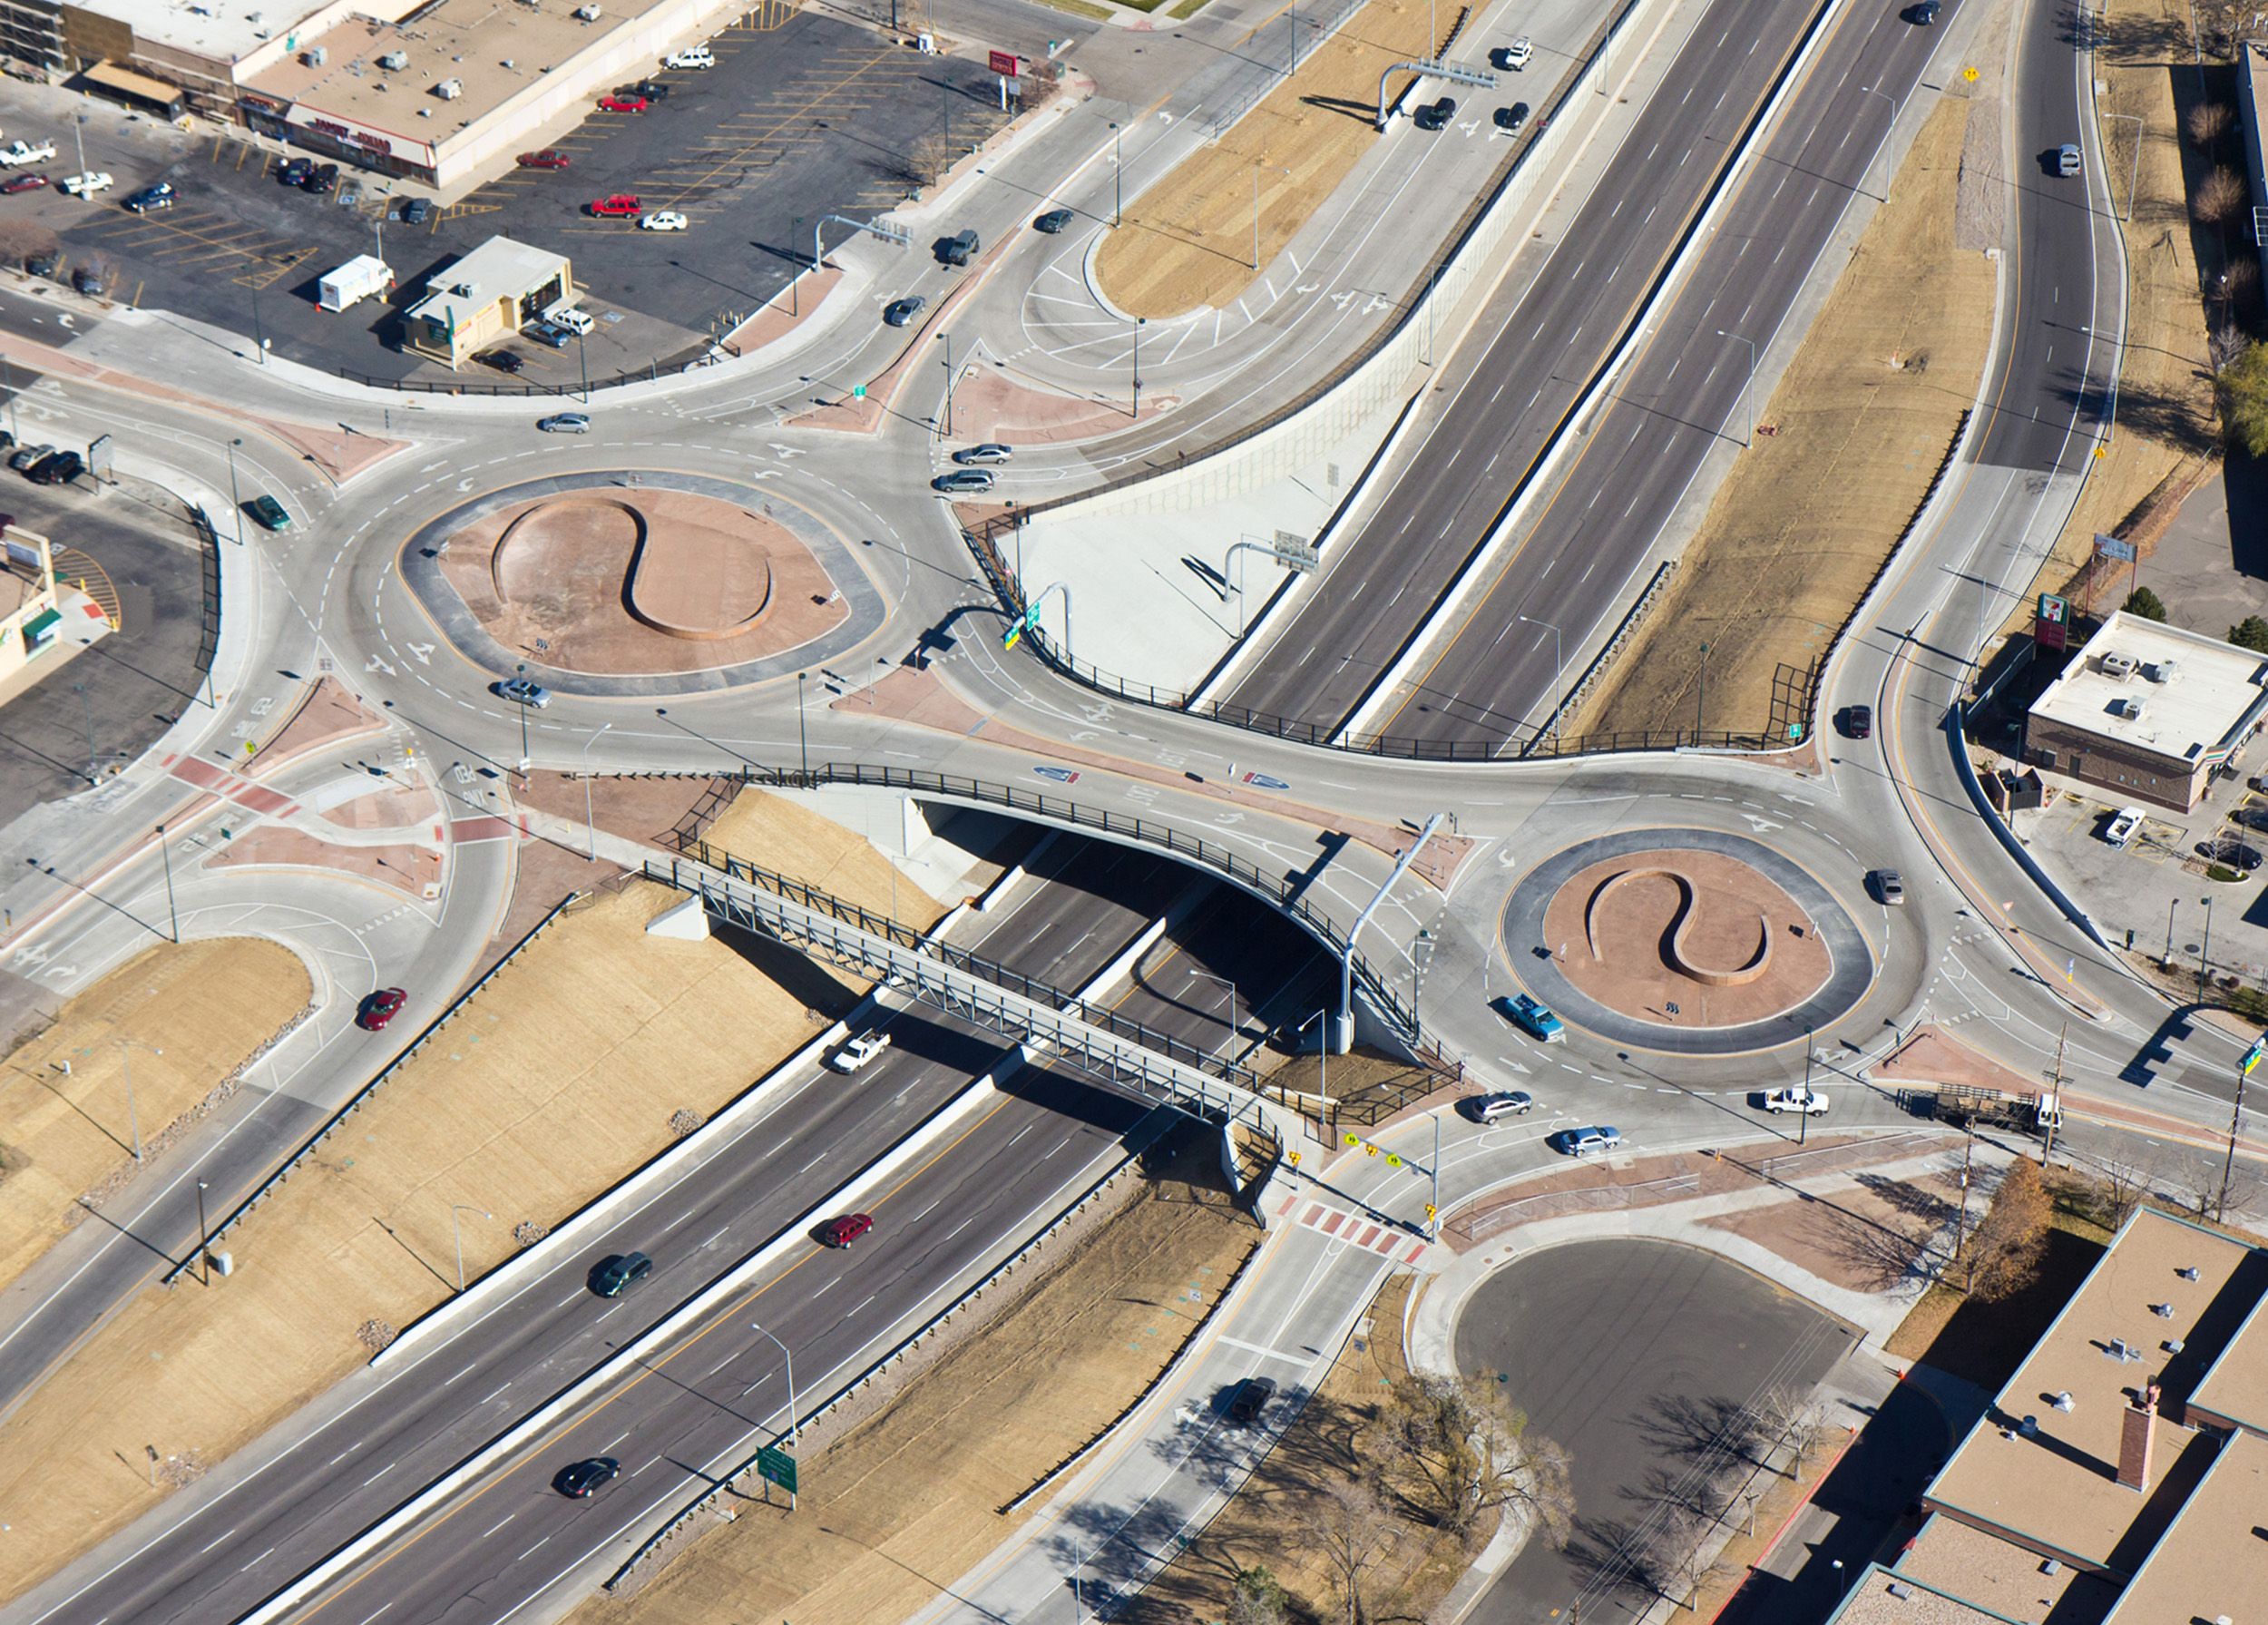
1347, 1528
2220, 197
1686, 1555
2119, 1190
931, 157
1456, 1449
2209, 121
1792, 1417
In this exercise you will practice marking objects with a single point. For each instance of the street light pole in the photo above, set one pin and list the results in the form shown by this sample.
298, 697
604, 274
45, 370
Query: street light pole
1701, 695
133, 1118
1139, 322
1559, 676
590, 824
2204, 951
204, 1253
86, 709
235, 501
1889, 135
522, 673
456, 1209
948, 342
803, 728
1747, 383
1804, 1118
167, 856
1117, 175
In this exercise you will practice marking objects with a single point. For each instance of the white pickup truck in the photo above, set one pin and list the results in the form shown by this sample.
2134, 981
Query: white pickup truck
857, 1052
21, 153
87, 185
1809, 1102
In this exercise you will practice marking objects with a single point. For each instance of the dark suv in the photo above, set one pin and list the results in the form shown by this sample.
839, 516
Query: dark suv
322, 179
1435, 115
295, 171
1250, 1400
618, 1275
58, 470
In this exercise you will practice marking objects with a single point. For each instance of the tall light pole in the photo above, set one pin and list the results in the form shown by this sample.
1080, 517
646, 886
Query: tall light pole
1257, 168
1117, 175
1747, 399
1889, 135
947, 337
1701, 695
167, 856
521, 672
86, 709
1804, 1118
133, 1118
2204, 951
1558, 679
582, 354
235, 502
2117, 366
803, 728
590, 823
456, 1209
1139, 322
205, 1252
1231, 986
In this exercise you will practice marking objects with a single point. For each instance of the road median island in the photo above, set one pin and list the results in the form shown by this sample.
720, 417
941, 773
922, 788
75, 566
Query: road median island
902, 1502
1186, 242
589, 1055
1847, 450
155, 1044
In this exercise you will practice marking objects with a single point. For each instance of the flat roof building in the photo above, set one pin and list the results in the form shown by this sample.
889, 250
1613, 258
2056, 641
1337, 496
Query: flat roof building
2146, 711
488, 295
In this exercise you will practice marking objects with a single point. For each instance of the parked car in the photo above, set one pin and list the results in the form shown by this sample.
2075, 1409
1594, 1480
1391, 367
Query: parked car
1511, 58
858, 1050
622, 104
1809, 1102
88, 280
649, 89
1054, 221
901, 312
843, 1232
564, 422
27, 455
23, 153
1532, 1018
16, 183
1251, 1397
544, 333
1887, 889
1485, 1109
293, 171
534, 695
60, 469
582, 1478
1435, 115
159, 196
1512, 120
322, 179
42, 264
379, 1008
2123, 826
550, 158
666, 220
621, 203
417, 212
2067, 159
86, 185
568, 317
991, 451
1578, 1142
270, 513
501, 360
692, 56
619, 1274
962, 481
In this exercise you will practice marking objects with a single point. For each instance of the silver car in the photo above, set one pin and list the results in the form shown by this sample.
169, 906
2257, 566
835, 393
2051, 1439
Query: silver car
565, 423
519, 689
992, 451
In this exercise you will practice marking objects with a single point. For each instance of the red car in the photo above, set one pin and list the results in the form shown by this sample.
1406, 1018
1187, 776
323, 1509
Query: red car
380, 1008
843, 1232
550, 158
621, 203
624, 105
23, 183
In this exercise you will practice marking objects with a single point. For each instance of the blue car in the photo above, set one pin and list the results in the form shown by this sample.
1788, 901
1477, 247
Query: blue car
1532, 1018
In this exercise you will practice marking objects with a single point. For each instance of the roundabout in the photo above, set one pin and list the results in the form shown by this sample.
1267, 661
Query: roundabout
1690, 942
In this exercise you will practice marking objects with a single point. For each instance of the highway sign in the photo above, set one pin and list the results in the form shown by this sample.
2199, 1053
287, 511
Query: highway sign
1018, 627
2253, 1056
1295, 550
775, 1465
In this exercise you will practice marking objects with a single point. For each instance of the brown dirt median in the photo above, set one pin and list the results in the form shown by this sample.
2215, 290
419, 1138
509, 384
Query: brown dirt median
66, 1136
1188, 241
571, 1070
1866, 415
907, 1501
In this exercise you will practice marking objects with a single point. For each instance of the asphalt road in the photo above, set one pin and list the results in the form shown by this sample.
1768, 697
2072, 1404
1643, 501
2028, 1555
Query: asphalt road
1614, 1348
1435, 513
1580, 560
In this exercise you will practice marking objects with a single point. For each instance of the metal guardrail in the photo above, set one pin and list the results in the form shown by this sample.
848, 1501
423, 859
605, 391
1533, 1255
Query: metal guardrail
268, 1187
1276, 889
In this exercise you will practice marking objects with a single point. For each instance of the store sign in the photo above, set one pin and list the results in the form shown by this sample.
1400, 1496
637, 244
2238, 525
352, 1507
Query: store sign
347, 132
1003, 62
2051, 626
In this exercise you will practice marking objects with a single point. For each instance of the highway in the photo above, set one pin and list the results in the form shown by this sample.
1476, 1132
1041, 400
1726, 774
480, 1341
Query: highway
1429, 519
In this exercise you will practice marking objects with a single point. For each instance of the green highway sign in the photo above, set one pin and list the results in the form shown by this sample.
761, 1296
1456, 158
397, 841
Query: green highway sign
1017, 628
775, 1465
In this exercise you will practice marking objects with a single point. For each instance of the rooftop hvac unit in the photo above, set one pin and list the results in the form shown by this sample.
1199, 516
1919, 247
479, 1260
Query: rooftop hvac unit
449, 90
589, 14
316, 57
394, 60
2161, 670
2118, 667
2129, 708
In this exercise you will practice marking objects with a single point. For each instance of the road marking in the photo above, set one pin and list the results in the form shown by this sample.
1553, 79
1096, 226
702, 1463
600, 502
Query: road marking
460, 1373
255, 1562
202, 1550
494, 1396
508, 1518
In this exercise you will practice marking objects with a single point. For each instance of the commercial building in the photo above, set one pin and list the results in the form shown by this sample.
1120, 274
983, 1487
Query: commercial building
486, 297
2147, 711
2118, 1477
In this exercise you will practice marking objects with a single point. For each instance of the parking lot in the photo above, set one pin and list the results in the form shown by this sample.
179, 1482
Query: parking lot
795, 122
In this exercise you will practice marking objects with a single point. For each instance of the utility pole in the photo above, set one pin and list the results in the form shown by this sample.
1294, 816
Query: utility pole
1804, 1118
1969, 1151
173, 912
2236, 1114
2055, 1080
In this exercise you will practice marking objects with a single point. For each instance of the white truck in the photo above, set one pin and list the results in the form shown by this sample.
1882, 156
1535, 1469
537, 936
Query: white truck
22, 153
87, 185
1809, 1102
353, 282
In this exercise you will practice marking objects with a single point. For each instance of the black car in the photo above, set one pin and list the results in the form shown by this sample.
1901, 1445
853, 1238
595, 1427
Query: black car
653, 90
618, 1275
1512, 120
1250, 1398
295, 171
87, 280
417, 212
159, 196
58, 470
581, 1478
1435, 115
501, 360
1054, 221
903, 310
1859, 722
43, 264
322, 179
1923, 14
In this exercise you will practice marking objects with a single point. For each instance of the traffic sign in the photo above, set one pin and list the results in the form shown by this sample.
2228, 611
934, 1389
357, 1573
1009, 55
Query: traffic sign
775, 1465
2253, 1056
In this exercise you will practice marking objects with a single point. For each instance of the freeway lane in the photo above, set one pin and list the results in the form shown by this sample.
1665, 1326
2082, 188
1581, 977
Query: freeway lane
1681, 397
1383, 582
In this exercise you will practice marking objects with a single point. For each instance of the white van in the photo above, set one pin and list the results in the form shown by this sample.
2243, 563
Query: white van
568, 317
